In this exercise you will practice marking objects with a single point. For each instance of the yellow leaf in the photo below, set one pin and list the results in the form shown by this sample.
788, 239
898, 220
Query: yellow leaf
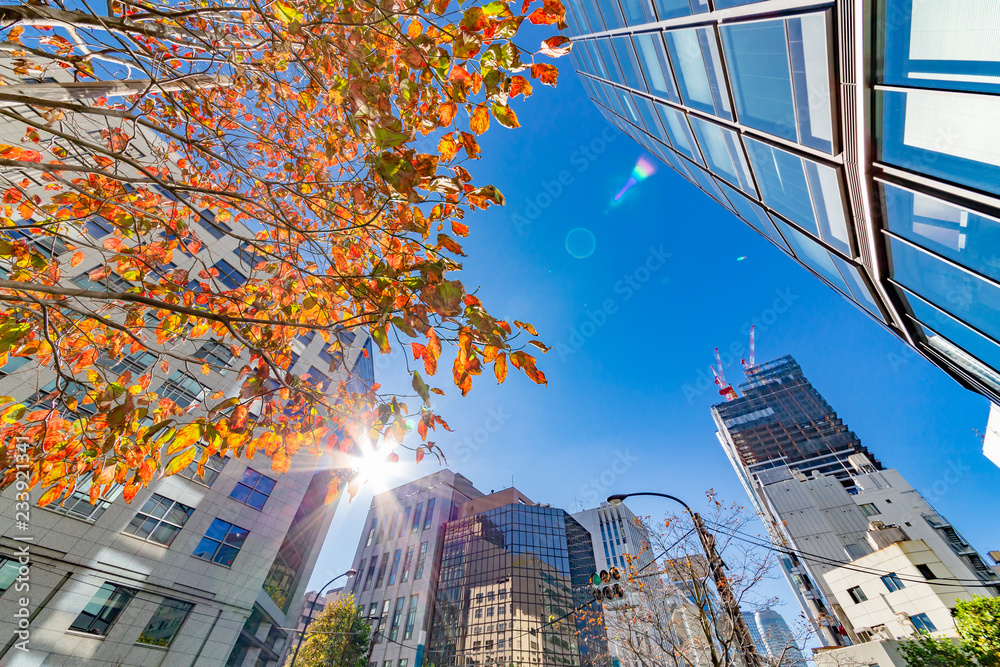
206, 369
185, 437
180, 462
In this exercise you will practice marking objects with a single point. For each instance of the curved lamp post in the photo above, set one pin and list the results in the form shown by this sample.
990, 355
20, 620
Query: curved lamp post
729, 602
309, 618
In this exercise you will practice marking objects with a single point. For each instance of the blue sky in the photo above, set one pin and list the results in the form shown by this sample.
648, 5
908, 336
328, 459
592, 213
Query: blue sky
635, 386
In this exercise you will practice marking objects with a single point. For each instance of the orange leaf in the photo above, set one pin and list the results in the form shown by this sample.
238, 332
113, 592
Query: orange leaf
280, 462
446, 113
77, 258
500, 367
527, 327
51, 494
459, 228
420, 455
433, 352
520, 86
545, 73
180, 462
554, 47
448, 147
526, 363
480, 119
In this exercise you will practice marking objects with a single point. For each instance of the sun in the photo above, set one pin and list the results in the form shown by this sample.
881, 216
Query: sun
374, 466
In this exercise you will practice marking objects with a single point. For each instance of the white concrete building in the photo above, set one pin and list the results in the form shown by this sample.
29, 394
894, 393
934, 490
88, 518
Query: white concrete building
195, 570
397, 562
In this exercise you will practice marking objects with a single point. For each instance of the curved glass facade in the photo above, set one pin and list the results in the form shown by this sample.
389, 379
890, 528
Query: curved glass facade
872, 157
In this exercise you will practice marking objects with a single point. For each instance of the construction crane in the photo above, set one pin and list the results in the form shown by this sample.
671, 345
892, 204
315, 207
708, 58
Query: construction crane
747, 365
725, 389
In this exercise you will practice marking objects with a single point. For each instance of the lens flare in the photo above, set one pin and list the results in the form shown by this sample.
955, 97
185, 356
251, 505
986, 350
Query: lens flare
644, 168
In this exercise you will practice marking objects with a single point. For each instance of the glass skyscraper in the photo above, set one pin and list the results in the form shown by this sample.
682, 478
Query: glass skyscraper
857, 137
508, 571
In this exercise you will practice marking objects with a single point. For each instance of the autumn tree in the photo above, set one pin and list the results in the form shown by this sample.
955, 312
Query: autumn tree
330, 141
340, 635
671, 613
978, 624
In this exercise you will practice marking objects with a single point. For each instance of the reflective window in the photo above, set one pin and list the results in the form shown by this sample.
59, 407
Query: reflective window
780, 73
961, 235
626, 103
221, 543
103, 609
648, 115
859, 288
708, 184
721, 4
679, 131
610, 12
670, 9
576, 19
961, 293
807, 193
637, 12
595, 58
165, 623
253, 489
680, 166
752, 213
610, 61
655, 66
945, 134
724, 154
930, 44
627, 62
698, 67
589, 8
159, 520
813, 255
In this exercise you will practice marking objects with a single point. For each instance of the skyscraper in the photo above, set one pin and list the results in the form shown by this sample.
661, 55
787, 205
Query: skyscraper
854, 136
822, 496
515, 588
774, 638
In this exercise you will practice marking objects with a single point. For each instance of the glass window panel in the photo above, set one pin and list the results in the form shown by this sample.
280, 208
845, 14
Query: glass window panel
813, 255
631, 114
746, 209
218, 529
680, 166
637, 12
860, 289
165, 534
722, 150
648, 115
720, 4
611, 13
958, 342
596, 59
257, 500
577, 20
930, 44
655, 67
696, 61
206, 548
610, 61
945, 134
828, 204
679, 131
757, 57
226, 555
240, 493
811, 66
782, 181
966, 237
593, 16
670, 9
708, 184
165, 623
967, 296
626, 60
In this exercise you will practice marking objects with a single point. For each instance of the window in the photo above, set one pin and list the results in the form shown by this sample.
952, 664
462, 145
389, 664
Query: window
217, 229
892, 582
228, 275
927, 572
216, 354
371, 572
869, 509
159, 520
411, 617
98, 227
166, 622
724, 154
395, 566
671, 9
479, 612
406, 522
392, 524
922, 623
806, 192
182, 389
420, 561
253, 489
396, 615
359, 577
371, 532
403, 662
9, 569
111, 283
813, 255
318, 378
780, 73
210, 471
381, 569
78, 504
383, 620
45, 245
103, 609
416, 517
698, 67
137, 362
655, 66
221, 543
430, 514
681, 138
857, 595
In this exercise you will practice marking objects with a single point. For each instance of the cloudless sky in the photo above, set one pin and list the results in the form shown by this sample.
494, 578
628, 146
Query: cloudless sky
637, 389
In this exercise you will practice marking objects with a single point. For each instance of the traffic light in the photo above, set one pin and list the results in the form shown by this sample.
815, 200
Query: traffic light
607, 584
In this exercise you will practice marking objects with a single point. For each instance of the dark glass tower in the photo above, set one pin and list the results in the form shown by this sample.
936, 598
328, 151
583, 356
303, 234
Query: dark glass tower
507, 572
782, 421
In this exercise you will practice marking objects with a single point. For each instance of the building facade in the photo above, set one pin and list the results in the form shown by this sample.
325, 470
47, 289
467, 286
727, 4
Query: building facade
397, 562
515, 588
200, 568
819, 492
855, 136
773, 638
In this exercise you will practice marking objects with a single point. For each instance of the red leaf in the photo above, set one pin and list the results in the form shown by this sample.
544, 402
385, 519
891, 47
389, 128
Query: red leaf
545, 73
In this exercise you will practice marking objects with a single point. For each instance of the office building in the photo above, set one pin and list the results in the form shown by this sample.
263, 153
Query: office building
314, 605
773, 638
397, 562
821, 495
199, 569
857, 137
514, 588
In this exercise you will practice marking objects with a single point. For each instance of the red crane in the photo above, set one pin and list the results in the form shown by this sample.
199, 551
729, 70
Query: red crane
725, 389
747, 365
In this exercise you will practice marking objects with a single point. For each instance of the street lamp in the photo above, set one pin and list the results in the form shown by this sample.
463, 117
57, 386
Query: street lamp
751, 657
309, 618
